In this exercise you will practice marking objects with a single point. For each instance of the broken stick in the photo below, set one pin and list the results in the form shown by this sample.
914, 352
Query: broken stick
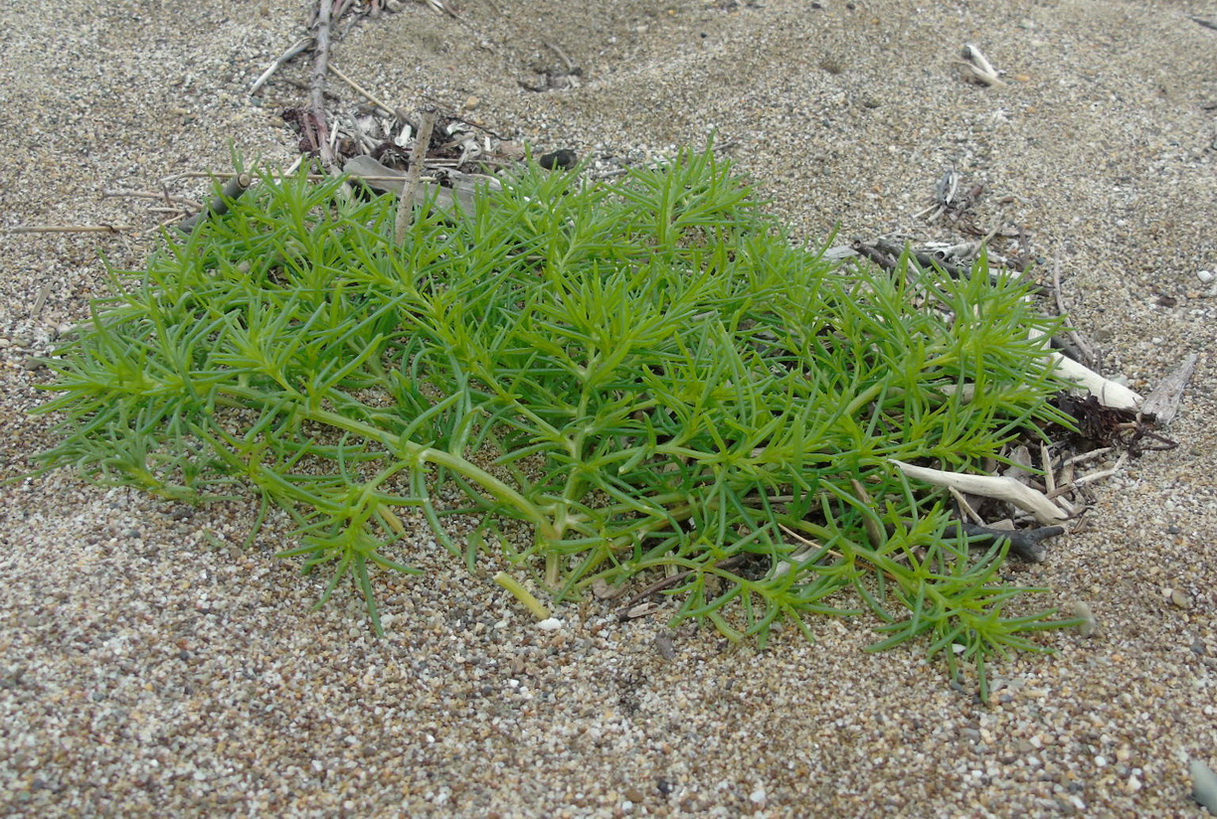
232, 189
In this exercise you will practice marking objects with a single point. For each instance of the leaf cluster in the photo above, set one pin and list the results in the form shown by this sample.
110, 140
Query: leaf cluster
649, 373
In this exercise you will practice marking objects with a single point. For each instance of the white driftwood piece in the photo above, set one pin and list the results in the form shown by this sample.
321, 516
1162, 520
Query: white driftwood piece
1109, 393
1004, 489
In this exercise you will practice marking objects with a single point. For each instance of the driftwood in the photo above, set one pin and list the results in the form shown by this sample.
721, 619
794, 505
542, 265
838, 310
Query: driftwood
1024, 543
979, 66
989, 486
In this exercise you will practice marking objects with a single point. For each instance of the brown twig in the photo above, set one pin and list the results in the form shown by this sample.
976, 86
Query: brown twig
405, 208
675, 580
68, 229
321, 36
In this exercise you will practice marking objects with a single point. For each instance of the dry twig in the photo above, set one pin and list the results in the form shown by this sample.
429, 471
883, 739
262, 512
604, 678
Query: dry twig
1000, 488
321, 34
68, 229
405, 208
301, 45
359, 89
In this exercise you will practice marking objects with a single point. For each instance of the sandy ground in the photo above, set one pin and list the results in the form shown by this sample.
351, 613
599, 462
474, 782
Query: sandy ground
146, 670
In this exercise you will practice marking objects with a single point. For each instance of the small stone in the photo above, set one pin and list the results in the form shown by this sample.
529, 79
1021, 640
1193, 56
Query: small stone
1205, 276
1179, 599
666, 647
472, 102
550, 624
634, 795
1134, 784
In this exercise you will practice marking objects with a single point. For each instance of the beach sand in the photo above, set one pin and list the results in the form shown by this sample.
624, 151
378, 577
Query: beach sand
149, 665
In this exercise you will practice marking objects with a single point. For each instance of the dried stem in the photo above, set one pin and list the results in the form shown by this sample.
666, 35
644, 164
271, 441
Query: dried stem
68, 229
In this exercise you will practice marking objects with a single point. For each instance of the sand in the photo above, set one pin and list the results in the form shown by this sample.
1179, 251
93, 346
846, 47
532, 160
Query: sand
152, 666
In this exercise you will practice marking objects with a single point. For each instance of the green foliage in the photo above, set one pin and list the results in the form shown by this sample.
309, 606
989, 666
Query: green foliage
647, 372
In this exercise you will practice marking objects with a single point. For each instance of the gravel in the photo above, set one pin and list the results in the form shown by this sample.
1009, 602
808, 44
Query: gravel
153, 665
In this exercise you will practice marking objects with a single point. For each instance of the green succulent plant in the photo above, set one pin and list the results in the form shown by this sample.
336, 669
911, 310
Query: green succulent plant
649, 373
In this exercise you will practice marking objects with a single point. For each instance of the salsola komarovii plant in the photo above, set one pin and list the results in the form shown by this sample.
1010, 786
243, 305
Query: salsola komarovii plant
649, 373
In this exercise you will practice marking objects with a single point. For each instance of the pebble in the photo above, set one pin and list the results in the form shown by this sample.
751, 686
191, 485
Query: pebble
1204, 784
1205, 276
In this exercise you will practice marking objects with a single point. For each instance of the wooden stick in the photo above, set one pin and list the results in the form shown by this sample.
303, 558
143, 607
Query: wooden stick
405, 208
321, 33
359, 89
1024, 543
170, 201
41, 300
1085, 352
68, 229
1109, 393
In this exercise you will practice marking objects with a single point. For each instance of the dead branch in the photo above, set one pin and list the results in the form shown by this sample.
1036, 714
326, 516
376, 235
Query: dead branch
321, 36
1000, 488
171, 202
1024, 543
1077, 348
